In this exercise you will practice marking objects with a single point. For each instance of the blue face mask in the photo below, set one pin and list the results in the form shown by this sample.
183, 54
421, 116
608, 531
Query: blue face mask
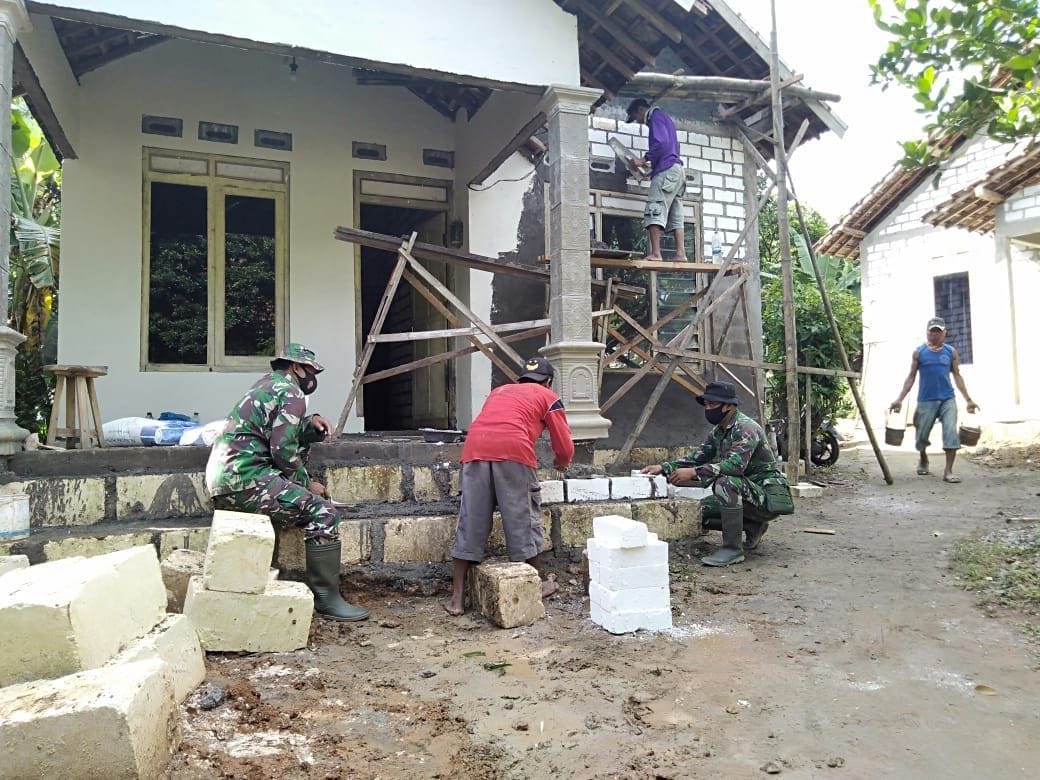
714, 416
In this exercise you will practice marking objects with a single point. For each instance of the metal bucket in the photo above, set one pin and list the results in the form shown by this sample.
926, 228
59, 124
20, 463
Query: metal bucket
894, 436
14, 517
969, 436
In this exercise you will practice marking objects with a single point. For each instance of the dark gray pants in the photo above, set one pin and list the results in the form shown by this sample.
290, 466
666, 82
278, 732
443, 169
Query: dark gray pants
511, 488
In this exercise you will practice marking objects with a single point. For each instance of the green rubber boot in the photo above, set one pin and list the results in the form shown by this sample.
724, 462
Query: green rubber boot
732, 551
323, 580
754, 530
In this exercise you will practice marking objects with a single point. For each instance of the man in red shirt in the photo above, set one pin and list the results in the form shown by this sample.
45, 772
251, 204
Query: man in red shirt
499, 472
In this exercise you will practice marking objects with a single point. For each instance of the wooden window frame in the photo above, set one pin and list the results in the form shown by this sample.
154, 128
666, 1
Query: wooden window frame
217, 187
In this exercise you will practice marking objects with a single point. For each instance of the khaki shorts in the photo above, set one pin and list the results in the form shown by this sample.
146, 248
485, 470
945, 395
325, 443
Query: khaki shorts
664, 204
511, 488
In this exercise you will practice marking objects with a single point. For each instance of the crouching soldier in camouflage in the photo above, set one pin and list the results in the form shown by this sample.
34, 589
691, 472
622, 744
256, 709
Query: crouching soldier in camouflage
736, 462
258, 465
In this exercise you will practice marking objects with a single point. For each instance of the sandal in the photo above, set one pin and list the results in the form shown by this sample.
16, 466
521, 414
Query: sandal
922, 471
951, 478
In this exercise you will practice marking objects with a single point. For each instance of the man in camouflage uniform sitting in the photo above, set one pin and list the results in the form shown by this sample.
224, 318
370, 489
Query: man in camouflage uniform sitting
257, 465
738, 465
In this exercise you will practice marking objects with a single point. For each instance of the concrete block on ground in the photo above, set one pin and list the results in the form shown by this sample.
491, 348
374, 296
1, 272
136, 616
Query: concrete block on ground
177, 569
631, 487
365, 483
355, 538
92, 546
806, 490
552, 491
418, 539
629, 599
277, 620
575, 520
176, 644
630, 577
628, 622
619, 531
239, 553
655, 553
65, 616
187, 538
595, 489
497, 539
507, 594
118, 721
13, 563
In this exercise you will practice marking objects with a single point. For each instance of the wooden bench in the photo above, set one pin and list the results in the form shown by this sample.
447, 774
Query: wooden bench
76, 384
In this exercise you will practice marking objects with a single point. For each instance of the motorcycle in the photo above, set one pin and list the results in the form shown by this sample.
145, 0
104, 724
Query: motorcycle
825, 442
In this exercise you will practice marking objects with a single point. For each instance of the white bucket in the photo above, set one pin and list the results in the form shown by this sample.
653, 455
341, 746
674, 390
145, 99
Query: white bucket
14, 516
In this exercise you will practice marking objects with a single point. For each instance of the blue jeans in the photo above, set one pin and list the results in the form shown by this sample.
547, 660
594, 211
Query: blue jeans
927, 413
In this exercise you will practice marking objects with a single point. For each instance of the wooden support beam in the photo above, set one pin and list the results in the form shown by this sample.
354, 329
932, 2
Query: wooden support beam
605, 54
532, 126
654, 17
659, 265
707, 357
422, 335
612, 27
761, 97
40, 106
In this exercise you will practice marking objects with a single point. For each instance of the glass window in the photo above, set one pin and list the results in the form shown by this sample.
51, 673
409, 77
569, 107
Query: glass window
249, 276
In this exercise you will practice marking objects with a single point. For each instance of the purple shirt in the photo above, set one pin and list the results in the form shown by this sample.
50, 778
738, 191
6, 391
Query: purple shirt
664, 145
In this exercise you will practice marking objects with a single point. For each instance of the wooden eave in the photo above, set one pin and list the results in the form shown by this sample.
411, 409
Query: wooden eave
973, 208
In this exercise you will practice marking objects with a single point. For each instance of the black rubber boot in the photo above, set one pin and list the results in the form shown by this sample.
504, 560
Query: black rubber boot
323, 580
754, 530
711, 523
732, 551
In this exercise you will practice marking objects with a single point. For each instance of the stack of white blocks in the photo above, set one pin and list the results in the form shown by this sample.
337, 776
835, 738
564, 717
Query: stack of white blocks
93, 666
238, 603
628, 577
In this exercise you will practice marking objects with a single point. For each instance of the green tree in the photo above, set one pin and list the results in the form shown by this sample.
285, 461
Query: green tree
816, 345
972, 66
33, 264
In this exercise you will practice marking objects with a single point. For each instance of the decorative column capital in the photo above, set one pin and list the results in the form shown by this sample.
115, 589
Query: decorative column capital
14, 18
568, 100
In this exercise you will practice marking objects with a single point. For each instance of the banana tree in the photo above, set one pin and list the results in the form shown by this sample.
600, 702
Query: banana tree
34, 260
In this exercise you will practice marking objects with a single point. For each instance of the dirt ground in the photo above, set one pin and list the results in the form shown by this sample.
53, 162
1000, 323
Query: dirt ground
854, 655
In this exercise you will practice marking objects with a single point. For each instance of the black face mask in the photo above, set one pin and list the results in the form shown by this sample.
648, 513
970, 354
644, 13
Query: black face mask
309, 383
714, 416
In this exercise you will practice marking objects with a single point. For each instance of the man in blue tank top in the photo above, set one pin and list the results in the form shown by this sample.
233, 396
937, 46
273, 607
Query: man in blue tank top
936, 361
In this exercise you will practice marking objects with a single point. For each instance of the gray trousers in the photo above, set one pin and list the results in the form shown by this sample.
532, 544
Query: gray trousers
511, 488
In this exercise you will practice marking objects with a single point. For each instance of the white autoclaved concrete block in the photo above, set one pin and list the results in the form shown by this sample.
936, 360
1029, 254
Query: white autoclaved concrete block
661, 486
239, 554
630, 600
692, 492
618, 531
806, 490
655, 553
508, 594
595, 489
631, 487
552, 491
175, 643
76, 613
13, 563
116, 721
627, 622
277, 620
630, 577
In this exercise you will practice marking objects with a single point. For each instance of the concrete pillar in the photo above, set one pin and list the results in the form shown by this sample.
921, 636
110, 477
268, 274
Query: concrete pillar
13, 19
572, 352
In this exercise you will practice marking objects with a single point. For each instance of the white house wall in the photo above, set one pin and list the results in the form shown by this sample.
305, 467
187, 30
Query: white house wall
521, 41
900, 259
102, 206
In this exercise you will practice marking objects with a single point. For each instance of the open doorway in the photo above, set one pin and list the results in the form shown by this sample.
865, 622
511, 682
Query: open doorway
423, 398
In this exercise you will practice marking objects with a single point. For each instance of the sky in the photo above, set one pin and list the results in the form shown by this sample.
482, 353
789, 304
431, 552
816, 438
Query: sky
833, 43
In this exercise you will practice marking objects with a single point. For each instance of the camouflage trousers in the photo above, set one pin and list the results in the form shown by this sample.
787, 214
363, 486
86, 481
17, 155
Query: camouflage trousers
731, 493
288, 504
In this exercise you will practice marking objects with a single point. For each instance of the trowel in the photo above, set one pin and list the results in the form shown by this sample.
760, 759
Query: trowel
628, 158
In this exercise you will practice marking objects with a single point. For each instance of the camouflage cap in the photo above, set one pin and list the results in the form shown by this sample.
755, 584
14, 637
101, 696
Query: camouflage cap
297, 353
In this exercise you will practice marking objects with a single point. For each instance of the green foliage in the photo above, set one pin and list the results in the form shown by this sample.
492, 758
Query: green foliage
34, 264
769, 232
972, 66
816, 345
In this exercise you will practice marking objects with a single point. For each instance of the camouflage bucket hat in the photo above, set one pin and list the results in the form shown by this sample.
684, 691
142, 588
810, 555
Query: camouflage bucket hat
297, 353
